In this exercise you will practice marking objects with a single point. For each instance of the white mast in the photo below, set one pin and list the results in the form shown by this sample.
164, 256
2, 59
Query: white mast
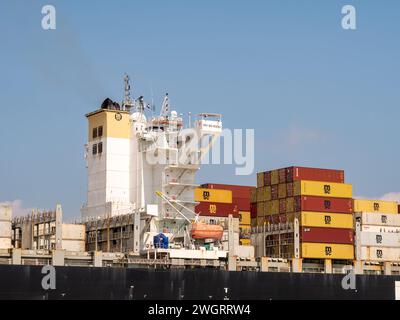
165, 106
127, 103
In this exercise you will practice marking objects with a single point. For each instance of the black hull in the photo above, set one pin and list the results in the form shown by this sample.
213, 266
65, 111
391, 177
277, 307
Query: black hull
25, 282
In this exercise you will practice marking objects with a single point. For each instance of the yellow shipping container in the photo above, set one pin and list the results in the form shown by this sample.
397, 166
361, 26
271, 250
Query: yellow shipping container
268, 207
327, 251
326, 220
274, 177
213, 195
267, 193
260, 196
274, 206
253, 195
244, 232
245, 242
323, 189
290, 204
282, 191
244, 218
260, 209
378, 206
260, 179
260, 221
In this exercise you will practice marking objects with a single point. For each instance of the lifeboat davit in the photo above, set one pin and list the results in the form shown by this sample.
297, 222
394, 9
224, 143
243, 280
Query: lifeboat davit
201, 230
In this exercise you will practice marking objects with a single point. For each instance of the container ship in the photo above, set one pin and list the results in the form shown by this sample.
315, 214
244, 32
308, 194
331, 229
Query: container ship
149, 231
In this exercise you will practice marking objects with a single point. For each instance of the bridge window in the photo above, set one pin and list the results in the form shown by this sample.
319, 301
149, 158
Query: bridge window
94, 149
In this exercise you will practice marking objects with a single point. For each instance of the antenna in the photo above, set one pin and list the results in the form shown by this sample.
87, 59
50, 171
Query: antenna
140, 104
153, 106
165, 106
127, 103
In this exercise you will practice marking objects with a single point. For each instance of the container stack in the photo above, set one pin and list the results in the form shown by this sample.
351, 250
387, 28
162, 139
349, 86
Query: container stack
253, 206
241, 200
5, 226
215, 203
377, 231
321, 202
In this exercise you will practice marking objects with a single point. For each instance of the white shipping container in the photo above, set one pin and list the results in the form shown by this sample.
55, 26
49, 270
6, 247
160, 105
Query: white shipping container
244, 252
380, 229
225, 243
380, 219
5, 243
5, 229
5, 212
73, 231
380, 239
257, 242
380, 254
41, 229
73, 245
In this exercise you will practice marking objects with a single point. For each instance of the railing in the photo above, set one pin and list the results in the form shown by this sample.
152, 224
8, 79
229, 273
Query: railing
288, 227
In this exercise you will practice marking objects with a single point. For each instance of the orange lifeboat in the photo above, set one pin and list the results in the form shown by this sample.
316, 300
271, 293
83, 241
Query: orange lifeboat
201, 230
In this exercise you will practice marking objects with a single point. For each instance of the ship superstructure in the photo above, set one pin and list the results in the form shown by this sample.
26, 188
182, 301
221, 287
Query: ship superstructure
132, 154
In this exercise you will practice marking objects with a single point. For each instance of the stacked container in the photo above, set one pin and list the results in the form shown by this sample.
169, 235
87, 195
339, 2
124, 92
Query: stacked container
377, 231
241, 196
215, 203
253, 206
321, 202
5, 226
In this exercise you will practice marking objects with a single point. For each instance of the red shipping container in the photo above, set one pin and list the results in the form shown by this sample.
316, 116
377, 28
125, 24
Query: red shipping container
326, 235
282, 218
253, 210
275, 218
217, 209
398, 208
243, 204
267, 178
323, 204
274, 192
289, 189
237, 191
282, 205
282, 175
315, 174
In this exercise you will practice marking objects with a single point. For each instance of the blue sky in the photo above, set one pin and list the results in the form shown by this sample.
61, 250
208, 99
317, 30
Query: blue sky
316, 95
